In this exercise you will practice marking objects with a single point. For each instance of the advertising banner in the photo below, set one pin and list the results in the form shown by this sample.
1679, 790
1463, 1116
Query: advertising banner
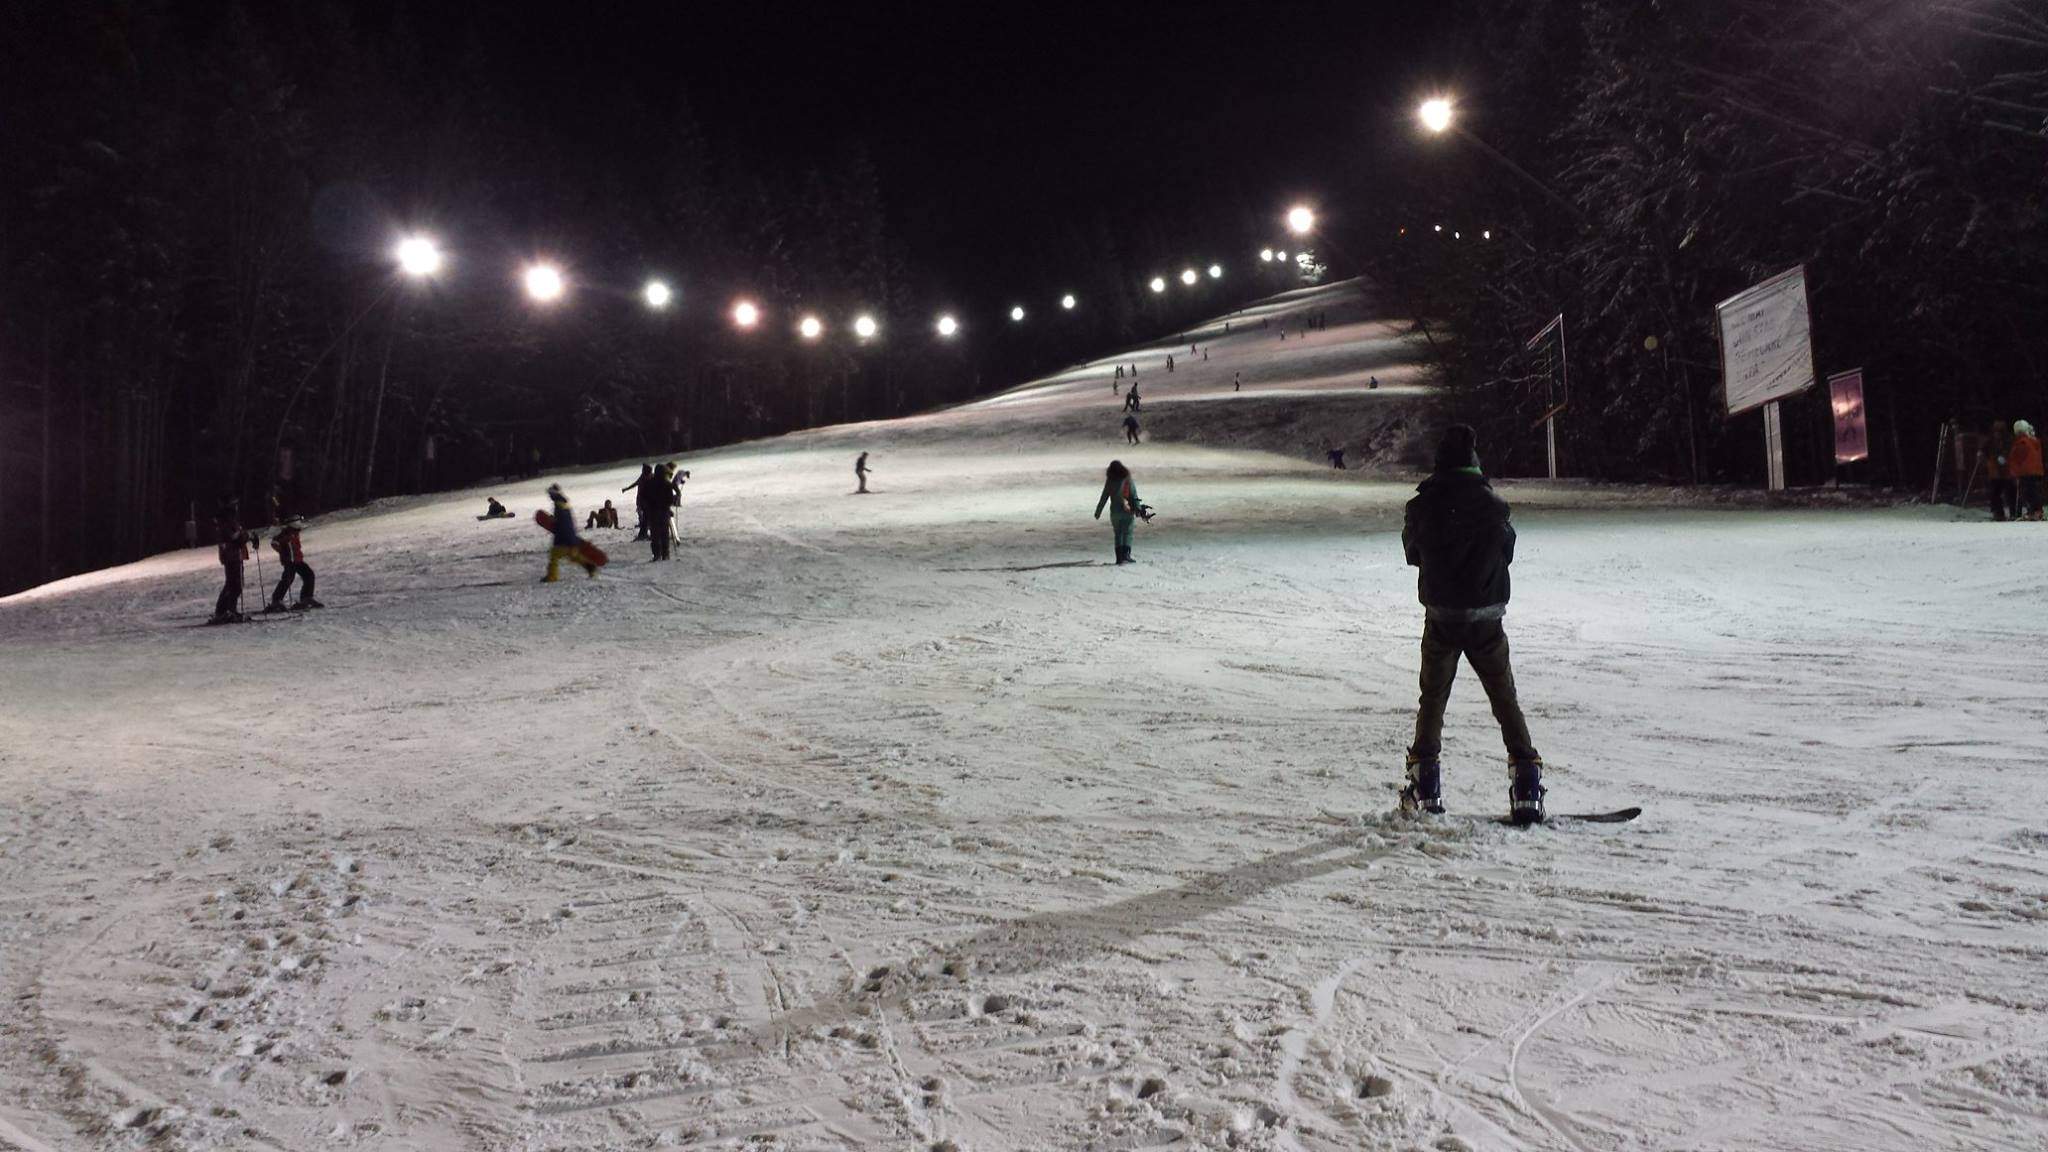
1766, 346
1852, 435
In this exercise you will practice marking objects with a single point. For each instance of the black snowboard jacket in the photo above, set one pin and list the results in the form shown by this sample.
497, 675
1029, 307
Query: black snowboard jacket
1457, 532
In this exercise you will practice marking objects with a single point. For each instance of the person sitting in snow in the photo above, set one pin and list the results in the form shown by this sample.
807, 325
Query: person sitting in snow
566, 545
292, 556
493, 510
2026, 468
1456, 531
605, 517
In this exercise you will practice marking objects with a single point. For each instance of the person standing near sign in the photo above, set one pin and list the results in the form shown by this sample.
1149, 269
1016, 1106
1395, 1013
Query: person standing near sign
2026, 468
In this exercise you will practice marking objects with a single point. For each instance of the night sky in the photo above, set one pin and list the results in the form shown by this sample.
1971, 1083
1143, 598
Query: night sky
991, 126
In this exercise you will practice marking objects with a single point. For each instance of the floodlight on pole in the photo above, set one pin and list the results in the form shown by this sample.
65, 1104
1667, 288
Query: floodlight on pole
1017, 313
1266, 254
948, 327
1158, 284
745, 313
865, 327
1280, 256
544, 283
657, 295
1215, 271
1436, 114
1300, 220
810, 328
1189, 276
418, 257
1067, 302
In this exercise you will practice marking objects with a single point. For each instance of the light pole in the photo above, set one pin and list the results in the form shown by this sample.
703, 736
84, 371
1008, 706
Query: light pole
1439, 116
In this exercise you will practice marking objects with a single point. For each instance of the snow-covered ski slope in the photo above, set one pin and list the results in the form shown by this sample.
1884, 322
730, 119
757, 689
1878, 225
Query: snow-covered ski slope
905, 821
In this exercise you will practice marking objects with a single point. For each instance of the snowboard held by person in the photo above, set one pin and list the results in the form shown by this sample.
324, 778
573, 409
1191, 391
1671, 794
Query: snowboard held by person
291, 557
1456, 532
565, 544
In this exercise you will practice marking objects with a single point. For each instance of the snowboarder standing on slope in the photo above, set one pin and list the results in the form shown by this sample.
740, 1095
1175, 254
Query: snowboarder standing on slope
860, 473
566, 545
1131, 429
2027, 469
1121, 495
292, 558
234, 552
1457, 533
643, 496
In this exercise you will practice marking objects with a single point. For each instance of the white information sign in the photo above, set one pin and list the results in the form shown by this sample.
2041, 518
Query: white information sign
1766, 342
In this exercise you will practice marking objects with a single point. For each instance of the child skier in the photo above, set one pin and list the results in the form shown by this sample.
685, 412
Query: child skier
1121, 495
566, 544
234, 552
2025, 461
292, 557
1456, 532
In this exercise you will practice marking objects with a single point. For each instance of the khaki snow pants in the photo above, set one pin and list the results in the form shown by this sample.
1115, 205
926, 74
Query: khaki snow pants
1485, 644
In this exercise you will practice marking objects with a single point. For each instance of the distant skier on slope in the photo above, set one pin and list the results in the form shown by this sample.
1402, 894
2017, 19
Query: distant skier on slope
234, 552
292, 557
2027, 469
860, 474
1457, 533
1131, 398
1120, 493
565, 544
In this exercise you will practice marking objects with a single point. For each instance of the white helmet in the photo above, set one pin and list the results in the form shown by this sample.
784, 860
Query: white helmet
2022, 428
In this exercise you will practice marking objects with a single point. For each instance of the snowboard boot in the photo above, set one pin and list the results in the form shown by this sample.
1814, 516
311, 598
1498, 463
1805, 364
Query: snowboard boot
227, 618
1122, 556
1424, 791
1525, 790
306, 602
274, 606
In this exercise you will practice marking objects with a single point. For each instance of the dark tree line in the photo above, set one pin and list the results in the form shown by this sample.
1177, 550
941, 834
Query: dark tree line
197, 297
1897, 148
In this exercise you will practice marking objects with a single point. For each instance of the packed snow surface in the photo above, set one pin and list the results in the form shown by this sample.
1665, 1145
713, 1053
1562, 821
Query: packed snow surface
906, 821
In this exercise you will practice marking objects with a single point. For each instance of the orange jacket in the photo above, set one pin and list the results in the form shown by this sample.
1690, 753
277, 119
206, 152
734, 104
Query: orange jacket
2025, 457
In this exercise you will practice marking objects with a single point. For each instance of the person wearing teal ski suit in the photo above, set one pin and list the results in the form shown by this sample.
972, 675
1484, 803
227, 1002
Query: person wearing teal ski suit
1121, 496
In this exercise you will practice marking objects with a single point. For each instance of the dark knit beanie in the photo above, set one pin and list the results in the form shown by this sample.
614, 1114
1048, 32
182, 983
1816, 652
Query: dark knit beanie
1458, 449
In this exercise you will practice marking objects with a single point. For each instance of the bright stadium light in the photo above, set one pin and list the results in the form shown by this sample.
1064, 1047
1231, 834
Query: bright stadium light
1215, 271
544, 283
1159, 283
948, 327
1017, 313
865, 327
1436, 114
1280, 256
811, 328
745, 314
418, 257
1189, 276
1266, 254
1067, 302
657, 295
1300, 220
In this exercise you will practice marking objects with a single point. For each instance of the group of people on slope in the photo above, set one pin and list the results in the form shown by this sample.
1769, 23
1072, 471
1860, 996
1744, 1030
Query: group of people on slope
2012, 470
1457, 533
235, 547
658, 492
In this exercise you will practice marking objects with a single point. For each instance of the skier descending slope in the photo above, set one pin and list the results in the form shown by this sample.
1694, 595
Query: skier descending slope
292, 558
1457, 533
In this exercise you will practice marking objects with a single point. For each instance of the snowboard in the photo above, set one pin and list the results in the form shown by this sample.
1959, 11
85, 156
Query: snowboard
586, 552
1618, 816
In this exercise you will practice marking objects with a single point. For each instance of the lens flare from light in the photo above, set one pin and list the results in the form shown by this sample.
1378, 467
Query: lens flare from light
544, 283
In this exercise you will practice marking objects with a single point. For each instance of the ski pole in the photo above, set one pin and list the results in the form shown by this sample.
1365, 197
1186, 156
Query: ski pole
259, 567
